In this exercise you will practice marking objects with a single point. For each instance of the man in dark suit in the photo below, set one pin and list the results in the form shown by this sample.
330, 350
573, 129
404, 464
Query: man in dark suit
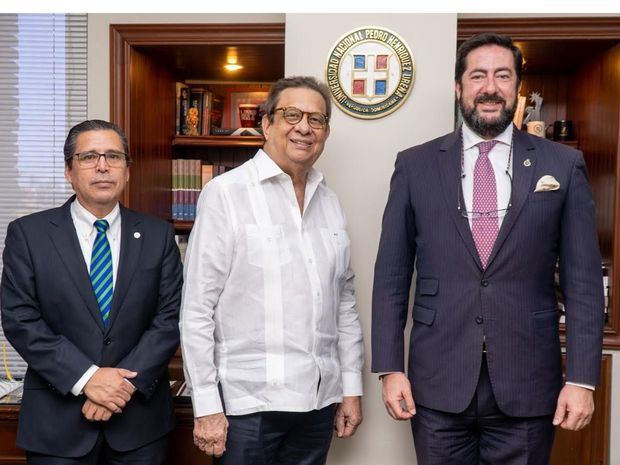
485, 213
90, 299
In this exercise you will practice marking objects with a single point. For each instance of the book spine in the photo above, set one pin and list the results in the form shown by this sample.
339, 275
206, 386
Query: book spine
206, 112
175, 189
183, 109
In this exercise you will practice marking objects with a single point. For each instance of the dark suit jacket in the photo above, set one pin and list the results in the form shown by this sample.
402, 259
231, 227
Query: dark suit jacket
512, 303
50, 315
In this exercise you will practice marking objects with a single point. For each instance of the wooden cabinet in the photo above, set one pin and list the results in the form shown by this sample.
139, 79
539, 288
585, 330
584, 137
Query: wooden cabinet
575, 64
146, 61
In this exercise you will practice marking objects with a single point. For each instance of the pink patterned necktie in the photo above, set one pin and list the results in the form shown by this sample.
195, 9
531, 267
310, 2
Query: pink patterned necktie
484, 228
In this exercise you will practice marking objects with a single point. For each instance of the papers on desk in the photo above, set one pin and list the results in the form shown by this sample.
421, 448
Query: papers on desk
11, 391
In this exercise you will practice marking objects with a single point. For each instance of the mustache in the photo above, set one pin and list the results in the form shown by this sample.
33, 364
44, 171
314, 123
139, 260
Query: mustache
489, 98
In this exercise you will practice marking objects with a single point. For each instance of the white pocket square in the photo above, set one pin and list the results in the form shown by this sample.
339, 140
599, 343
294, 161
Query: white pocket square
547, 183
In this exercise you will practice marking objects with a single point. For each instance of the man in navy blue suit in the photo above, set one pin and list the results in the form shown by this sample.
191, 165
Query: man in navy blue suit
483, 215
90, 299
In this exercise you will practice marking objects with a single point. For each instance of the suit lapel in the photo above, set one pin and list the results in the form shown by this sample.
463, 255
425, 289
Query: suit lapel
64, 237
523, 167
131, 246
449, 164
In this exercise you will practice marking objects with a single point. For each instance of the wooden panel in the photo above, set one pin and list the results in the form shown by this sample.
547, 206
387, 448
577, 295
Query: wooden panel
182, 448
9, 453
591, 445
593, 105
542, 28
151, 126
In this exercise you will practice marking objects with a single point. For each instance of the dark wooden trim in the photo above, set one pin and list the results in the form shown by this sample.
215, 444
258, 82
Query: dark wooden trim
9, 412
540, 28
218, 141
200, 34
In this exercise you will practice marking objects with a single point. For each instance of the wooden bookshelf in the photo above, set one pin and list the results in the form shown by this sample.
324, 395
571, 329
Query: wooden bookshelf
218, 141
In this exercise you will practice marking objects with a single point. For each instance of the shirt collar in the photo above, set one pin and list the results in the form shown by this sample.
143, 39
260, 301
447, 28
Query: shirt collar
267, 168
470, 138
85, 220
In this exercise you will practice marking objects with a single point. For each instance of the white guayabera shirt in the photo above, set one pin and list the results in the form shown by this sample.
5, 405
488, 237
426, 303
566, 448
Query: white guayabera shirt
268, 306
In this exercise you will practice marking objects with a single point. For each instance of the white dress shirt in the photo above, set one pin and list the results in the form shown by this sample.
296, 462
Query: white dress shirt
84, 222
268, 308
498, 156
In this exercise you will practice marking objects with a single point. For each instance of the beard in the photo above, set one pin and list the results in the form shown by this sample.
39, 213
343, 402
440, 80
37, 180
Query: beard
484, 128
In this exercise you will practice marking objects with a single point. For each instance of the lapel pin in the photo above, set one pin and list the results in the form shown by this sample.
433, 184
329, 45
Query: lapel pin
527, 162
136, 235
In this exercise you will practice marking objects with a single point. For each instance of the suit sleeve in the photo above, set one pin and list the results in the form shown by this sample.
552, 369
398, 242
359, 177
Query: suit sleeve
51, 355
581, 280
393, 272
150, 357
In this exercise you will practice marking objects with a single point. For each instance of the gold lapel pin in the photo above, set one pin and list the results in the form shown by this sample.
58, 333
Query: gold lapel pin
136, 235
527, 162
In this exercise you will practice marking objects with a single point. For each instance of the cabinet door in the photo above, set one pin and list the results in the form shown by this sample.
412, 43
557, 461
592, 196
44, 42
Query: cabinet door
589, 446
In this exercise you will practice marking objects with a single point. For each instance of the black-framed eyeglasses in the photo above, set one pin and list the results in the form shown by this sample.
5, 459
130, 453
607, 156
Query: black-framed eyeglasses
293, 115
499, 213
91, 158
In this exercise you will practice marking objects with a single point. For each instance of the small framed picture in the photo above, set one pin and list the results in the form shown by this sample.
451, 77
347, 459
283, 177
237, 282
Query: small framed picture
241, 98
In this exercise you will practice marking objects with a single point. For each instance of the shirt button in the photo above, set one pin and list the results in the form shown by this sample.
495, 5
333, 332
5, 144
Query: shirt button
479, 320
484, 283
309, 260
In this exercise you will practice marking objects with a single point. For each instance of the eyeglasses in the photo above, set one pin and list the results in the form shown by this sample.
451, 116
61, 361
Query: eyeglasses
91, 158
500, 213
294, 115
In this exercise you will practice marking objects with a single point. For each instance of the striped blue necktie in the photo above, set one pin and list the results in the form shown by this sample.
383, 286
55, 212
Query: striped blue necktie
101, 270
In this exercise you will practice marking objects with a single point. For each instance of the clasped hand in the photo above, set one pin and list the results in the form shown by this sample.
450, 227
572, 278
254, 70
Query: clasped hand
107, 392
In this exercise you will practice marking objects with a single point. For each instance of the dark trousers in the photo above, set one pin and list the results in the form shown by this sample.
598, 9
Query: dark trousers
153, 453
482, 434
279, 438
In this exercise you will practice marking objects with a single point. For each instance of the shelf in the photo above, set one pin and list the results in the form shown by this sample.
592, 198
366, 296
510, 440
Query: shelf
218, 141
571, 143
182, 226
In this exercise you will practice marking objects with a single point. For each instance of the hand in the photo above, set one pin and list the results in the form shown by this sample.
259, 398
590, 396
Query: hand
575, 408
108, 388
348, 416
95, 412
396, 395
210, 434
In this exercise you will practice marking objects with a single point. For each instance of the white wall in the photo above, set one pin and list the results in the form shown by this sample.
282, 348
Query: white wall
358, 162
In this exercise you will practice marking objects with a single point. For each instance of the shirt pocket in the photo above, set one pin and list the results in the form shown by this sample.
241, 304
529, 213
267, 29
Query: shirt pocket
267, 246
337, 246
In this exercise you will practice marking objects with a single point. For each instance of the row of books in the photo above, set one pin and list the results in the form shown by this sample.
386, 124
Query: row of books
198, 110
188, 179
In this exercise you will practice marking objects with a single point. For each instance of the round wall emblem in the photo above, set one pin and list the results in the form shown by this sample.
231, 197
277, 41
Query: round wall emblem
370, 72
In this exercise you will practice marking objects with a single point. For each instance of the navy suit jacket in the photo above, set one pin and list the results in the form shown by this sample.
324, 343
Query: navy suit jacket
512, 303
50, 315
